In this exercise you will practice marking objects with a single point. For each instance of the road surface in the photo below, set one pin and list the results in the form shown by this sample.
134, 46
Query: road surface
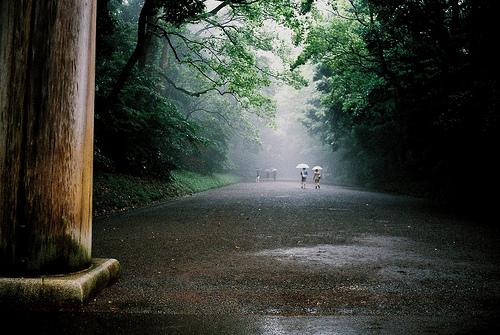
271, 258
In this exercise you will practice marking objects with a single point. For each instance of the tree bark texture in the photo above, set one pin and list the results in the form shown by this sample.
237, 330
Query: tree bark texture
143, 39
47, 54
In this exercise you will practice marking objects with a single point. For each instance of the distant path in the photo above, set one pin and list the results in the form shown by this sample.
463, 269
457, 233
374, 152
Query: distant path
272, 258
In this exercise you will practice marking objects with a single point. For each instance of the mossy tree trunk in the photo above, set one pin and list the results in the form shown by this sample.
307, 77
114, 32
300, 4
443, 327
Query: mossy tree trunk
47, 51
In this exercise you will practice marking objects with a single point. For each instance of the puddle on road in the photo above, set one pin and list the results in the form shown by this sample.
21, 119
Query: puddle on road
364, 250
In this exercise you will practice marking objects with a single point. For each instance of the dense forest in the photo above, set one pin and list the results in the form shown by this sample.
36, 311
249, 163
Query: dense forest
408, 89
177, 80
409, 93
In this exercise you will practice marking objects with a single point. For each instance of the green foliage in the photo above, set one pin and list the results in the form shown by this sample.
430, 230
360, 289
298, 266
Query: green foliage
404, 90
226, 53
176, 80
116, 192
177, 12
146, 133
190, 182
142, 132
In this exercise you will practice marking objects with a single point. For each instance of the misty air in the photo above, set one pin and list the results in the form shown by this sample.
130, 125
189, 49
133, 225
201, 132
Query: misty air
249, 167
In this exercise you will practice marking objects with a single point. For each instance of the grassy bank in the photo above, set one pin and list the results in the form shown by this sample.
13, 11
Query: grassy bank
118, 192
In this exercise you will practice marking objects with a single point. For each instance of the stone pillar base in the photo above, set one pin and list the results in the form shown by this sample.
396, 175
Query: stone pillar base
59, 290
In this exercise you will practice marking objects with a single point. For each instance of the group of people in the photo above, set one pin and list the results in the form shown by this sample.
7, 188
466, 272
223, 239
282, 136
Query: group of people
303, 177
274, 173
316, 178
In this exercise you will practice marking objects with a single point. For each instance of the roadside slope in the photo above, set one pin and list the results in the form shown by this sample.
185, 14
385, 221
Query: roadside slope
119, 192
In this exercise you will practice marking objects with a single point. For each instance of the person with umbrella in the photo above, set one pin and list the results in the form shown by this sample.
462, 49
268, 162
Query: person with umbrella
317, 176
303, 174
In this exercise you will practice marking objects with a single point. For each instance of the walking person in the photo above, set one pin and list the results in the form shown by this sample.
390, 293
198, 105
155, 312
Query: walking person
257, 178
317, 177
303, 177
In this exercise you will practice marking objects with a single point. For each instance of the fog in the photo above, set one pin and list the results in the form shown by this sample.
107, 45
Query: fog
286, 144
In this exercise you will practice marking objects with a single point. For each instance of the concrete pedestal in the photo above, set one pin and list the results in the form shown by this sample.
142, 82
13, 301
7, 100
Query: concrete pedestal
71, 289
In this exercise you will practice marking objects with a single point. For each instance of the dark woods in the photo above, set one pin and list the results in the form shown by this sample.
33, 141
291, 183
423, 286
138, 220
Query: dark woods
409, 89
426, 118
176, 80
139, 129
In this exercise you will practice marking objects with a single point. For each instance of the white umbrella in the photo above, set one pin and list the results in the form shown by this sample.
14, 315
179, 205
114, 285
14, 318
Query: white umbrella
302, 165
317, 167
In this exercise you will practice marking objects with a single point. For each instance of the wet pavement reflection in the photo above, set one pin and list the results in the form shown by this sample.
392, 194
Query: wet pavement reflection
271, 258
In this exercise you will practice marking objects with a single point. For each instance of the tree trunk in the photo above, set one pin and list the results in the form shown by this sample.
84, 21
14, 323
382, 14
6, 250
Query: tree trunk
143, 38
47, 52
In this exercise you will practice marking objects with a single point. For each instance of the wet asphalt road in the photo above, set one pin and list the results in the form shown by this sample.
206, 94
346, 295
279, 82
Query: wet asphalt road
271, 258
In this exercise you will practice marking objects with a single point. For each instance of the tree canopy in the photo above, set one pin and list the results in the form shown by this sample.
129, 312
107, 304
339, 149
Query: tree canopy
408, 91
175, 79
